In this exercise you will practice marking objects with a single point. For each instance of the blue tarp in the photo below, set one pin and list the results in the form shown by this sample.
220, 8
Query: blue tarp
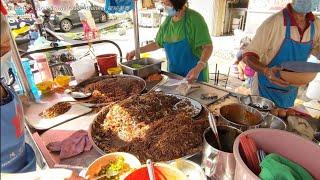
118, 6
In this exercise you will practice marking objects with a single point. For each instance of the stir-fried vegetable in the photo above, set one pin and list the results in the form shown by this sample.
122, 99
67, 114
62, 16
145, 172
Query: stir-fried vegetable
113, 170
137, 66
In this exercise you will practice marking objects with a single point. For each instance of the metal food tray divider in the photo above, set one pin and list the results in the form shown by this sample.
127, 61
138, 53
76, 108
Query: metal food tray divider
150, 66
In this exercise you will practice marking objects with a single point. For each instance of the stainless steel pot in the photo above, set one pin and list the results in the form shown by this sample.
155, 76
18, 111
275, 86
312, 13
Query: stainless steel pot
241, 116
219, 164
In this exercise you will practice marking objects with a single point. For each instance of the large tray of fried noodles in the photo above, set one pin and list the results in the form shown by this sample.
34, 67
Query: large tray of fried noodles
107, 89
149, 127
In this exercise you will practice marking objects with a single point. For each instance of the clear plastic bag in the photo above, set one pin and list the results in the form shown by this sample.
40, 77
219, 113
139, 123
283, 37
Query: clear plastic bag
83, 69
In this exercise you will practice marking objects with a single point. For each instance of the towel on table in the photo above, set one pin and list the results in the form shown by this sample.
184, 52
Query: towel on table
75, 144
276, 167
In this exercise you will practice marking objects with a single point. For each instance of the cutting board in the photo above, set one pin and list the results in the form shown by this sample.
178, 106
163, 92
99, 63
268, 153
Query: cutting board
42, 124
204, 89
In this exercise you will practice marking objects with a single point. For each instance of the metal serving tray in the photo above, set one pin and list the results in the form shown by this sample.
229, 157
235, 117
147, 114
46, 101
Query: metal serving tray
151, 66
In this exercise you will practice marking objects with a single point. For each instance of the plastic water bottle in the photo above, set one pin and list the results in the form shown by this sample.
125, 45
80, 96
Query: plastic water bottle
27, 70
17, 85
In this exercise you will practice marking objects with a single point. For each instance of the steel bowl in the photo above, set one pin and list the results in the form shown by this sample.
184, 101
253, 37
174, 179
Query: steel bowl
258, 102
273, 122
241, 116
217, 163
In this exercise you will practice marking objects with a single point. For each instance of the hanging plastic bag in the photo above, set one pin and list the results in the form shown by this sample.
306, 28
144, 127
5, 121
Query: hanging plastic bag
83, 69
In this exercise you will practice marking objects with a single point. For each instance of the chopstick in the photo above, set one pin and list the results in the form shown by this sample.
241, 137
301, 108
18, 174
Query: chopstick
218, 78
215, 75
65, 166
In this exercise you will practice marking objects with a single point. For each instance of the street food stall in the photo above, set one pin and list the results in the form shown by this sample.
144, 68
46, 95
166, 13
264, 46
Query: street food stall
125, 115
150, 117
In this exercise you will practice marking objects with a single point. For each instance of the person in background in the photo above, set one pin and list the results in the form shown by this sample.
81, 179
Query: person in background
244, 71
185, 37
20, 11
290, 35
28, 7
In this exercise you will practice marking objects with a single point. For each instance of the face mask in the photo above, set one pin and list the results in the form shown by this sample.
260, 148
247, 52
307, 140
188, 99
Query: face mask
305, 6
170, 11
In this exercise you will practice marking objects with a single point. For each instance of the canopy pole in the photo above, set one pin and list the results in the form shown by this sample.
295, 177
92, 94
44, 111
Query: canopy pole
136, 29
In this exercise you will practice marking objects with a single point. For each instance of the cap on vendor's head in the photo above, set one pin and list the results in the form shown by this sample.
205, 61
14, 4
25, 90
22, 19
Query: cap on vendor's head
178, 4
305, 6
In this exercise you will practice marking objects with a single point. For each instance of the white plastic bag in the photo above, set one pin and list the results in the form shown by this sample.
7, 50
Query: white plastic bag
85, 14
83, 69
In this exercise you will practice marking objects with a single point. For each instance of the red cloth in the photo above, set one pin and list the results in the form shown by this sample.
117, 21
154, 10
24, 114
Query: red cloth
75, 144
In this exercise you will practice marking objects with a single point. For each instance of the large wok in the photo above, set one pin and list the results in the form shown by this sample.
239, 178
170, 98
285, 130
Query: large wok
83, 84
102, 113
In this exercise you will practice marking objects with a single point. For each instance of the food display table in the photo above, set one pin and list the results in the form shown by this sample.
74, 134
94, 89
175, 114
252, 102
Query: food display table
39, 138
61, 131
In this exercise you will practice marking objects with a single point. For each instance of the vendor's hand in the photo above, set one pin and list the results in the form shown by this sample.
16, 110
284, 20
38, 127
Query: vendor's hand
130, 55
270, 73
194, 73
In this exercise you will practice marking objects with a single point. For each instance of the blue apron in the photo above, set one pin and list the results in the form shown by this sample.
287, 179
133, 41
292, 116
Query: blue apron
180, 57
16, 155
290, 50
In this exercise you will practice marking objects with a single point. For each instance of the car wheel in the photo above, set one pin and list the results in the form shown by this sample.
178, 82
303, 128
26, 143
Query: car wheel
103, 17
65, 25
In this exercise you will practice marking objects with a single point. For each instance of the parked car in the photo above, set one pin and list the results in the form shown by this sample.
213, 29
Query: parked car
65, 21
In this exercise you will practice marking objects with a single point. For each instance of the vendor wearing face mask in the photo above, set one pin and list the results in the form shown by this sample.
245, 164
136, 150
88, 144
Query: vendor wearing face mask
290, 35
185, 37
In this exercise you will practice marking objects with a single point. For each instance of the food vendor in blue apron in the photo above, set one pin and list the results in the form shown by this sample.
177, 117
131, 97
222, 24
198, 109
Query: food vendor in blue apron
16, 155
185, 37
289, 35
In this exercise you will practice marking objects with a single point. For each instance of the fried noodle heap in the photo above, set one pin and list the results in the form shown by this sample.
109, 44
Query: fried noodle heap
149, 127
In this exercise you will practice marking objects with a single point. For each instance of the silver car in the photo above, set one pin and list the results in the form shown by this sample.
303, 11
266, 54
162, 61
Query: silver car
65, 21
